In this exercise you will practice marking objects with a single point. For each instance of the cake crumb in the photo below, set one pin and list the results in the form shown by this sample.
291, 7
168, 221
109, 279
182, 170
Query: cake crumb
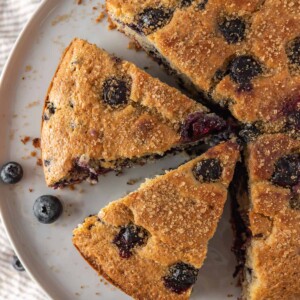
33, 153
132, 45
79, 2
33, 104
25, 140
111, 24
100, 17
28, 68
59, 19
133, 181
39, 162
30, 190
36, 143
72, 187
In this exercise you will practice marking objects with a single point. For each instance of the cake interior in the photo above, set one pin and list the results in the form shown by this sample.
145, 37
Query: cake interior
89, 169
241, 204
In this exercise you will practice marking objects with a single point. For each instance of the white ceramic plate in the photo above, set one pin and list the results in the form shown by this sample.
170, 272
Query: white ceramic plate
46, 250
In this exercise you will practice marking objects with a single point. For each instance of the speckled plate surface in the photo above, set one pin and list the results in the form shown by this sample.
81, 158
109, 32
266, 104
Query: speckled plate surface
46, 250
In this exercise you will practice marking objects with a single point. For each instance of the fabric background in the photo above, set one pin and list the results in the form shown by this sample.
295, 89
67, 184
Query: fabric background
14, 285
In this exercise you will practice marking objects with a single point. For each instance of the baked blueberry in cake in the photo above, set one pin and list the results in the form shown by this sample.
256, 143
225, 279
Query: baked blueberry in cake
152, 243
267, 219
102, 113
242, 55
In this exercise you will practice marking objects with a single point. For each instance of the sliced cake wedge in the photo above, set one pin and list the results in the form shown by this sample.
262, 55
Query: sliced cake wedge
244, 55
152, 242
269, 248
102, 113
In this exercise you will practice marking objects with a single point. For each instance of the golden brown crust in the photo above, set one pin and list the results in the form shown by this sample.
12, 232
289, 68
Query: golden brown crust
273, 255
180, 214
193, 45
78, 125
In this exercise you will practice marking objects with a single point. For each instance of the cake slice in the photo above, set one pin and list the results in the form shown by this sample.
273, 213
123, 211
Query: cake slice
244, 55
102, 113
269, 248
152, 242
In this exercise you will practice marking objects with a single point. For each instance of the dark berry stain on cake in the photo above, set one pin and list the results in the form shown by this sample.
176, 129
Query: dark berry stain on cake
249, 132
202, 4
243, 69
293, 51
50, 110
116, 91
152, 19
181, 277
198, 125
233, 29
47, 162
129, 237
291, 111
287, 170
208, 170
186, 3
295, 201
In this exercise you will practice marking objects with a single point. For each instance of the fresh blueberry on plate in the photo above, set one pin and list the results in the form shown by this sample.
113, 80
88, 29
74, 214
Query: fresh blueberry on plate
47, 209
17, 264
11, 173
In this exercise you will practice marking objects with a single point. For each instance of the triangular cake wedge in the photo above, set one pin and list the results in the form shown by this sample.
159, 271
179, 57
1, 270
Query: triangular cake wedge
102, 113
244, 55
152, 242
268, 220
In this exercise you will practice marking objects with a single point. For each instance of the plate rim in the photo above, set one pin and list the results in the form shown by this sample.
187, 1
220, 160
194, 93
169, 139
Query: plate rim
38, 11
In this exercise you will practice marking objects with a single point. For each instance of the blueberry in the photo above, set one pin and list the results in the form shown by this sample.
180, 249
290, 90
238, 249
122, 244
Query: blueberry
198, 125
181, 277
11, 173
129, 237
47, 209
295, 202
293, 51
186, 3
202, 4
50, 110
208, 170
248, 133
287, 170
47, 162
219, 137
233, 29
152, 19
293, 121
243, 69
17, 264
115, 91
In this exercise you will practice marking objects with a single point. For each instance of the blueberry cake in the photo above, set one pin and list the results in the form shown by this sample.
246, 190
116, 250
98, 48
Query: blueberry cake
267, 219
152, 242
102, 113
242, 55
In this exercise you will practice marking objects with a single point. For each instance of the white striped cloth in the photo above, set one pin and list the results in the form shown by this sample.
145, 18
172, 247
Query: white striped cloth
14, 285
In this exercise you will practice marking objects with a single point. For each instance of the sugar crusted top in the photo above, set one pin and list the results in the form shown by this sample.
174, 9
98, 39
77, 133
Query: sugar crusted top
205, 39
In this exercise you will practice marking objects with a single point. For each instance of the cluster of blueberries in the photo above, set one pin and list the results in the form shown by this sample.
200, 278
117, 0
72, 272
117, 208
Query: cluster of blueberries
46, 209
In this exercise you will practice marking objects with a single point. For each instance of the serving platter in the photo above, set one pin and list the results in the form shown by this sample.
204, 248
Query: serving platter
46, 250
